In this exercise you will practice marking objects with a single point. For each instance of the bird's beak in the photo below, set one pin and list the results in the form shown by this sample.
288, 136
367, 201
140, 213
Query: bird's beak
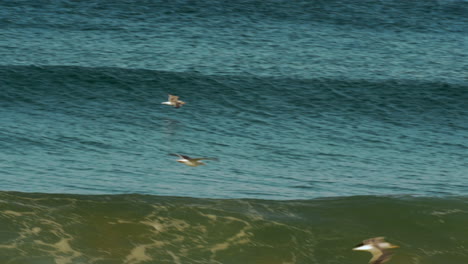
394, 246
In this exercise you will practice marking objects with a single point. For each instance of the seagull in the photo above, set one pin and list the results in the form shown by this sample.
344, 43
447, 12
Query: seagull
193, 162
379, 249
174, 101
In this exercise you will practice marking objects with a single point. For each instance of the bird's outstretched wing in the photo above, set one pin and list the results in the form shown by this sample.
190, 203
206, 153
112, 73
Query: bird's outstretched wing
178, 103
173, 98
180, 156
378, 257
206, 159
384, 257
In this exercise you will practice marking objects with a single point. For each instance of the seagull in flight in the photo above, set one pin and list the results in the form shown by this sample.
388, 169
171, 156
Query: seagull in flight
378, 247
174, 101
193, 162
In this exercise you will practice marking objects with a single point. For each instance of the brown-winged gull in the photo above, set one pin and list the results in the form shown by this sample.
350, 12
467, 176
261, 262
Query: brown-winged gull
378, 247
174, 101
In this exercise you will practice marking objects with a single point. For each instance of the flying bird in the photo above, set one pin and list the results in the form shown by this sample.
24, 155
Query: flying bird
193, 162
378, 247
174, 101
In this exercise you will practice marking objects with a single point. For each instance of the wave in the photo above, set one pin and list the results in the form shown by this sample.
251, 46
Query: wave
370, 39
91, 125
118, 15
67, 228
65, 87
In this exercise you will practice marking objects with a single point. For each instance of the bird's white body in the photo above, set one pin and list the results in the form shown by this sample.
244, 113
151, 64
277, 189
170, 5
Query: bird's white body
192, 162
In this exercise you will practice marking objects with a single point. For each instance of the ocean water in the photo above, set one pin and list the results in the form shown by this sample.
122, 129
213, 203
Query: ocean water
333, 122
66, 228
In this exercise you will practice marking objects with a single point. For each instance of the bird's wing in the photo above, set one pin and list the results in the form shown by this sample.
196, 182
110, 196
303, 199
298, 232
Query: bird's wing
180, 156
378, 240
173, 98
179, 103
205, 159
382, 258
377, 256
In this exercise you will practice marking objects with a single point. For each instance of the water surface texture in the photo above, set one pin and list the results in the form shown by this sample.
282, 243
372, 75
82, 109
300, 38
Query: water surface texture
333, 121
52, 228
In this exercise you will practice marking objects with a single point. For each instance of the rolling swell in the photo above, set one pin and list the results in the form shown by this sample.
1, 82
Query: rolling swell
130, 94
421, 40
105, 131
61, 85
47, 228
419, 15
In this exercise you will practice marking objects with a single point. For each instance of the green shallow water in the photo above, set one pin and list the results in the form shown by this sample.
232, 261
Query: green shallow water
55, 228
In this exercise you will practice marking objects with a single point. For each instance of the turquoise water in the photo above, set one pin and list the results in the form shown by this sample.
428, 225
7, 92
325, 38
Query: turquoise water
306, 104
422, 40
104, 130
